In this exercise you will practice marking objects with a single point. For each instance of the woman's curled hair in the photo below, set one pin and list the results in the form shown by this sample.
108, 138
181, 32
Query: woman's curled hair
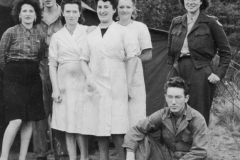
18, 6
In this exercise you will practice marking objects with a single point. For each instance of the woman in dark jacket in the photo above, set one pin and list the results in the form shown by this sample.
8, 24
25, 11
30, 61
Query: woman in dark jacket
21, 49
194, 39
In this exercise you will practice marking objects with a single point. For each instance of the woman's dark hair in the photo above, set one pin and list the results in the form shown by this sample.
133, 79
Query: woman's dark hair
177, 82
77, 2
205, 4
18, 6
114, 3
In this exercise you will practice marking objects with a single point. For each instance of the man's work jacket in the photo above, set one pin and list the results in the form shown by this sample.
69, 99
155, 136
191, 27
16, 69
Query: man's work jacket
189, 137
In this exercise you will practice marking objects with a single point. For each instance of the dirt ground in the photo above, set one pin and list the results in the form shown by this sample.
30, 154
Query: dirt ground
224, 144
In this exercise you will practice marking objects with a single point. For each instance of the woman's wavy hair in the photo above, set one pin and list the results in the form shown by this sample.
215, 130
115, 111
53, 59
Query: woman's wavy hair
81, 19
114, 4
204, 6
18, 6
134, 14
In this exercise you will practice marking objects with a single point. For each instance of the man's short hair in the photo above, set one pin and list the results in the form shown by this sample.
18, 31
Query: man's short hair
177, 82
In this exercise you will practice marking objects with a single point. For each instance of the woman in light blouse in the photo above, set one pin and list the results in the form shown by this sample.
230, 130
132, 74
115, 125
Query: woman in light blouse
141, 36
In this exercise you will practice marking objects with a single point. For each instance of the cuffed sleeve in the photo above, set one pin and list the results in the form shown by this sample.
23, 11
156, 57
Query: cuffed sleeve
137, 133
5, 46
223, 47
85, 51
144, 38
53, 52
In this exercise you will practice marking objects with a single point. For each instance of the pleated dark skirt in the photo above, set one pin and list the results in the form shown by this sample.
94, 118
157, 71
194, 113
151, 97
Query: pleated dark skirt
22, 91
201, 91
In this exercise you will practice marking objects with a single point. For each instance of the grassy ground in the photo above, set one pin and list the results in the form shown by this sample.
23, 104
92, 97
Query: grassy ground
224, 142
224, 134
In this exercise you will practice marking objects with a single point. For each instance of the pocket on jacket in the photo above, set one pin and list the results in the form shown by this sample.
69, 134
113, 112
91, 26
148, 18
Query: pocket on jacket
176, 32
175, 38
203, 37
187, 136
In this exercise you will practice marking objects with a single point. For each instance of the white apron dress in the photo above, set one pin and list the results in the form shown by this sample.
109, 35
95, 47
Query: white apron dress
64, 52
137, 106
110, 100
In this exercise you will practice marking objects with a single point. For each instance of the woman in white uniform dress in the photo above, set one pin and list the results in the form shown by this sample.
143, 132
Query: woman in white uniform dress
141, 36
67, 79
107, 77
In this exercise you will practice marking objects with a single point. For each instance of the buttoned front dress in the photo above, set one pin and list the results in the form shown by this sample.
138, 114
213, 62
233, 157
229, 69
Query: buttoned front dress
64, 52
106, 56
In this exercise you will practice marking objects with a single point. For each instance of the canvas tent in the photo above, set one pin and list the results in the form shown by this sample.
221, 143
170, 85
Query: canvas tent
155, 71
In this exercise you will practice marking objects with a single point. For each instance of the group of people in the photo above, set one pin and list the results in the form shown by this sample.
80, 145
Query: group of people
92, 78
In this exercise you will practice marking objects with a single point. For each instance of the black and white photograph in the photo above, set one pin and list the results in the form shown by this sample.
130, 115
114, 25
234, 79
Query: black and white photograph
119, 79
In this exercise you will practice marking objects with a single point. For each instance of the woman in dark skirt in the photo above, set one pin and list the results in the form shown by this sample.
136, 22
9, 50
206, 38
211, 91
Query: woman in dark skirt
194, 39
21, 49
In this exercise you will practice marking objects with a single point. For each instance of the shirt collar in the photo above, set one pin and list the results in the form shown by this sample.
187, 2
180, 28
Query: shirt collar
56, 17
193, 18
25, 29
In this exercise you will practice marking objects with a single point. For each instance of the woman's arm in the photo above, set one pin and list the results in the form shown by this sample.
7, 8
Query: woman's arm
85, 69
53, 67
223, 47
145, 43
56, 95
146, 55
131, 69
89, 77
5, 44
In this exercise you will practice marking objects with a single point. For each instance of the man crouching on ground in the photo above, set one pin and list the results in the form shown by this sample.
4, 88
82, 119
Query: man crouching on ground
183, 130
